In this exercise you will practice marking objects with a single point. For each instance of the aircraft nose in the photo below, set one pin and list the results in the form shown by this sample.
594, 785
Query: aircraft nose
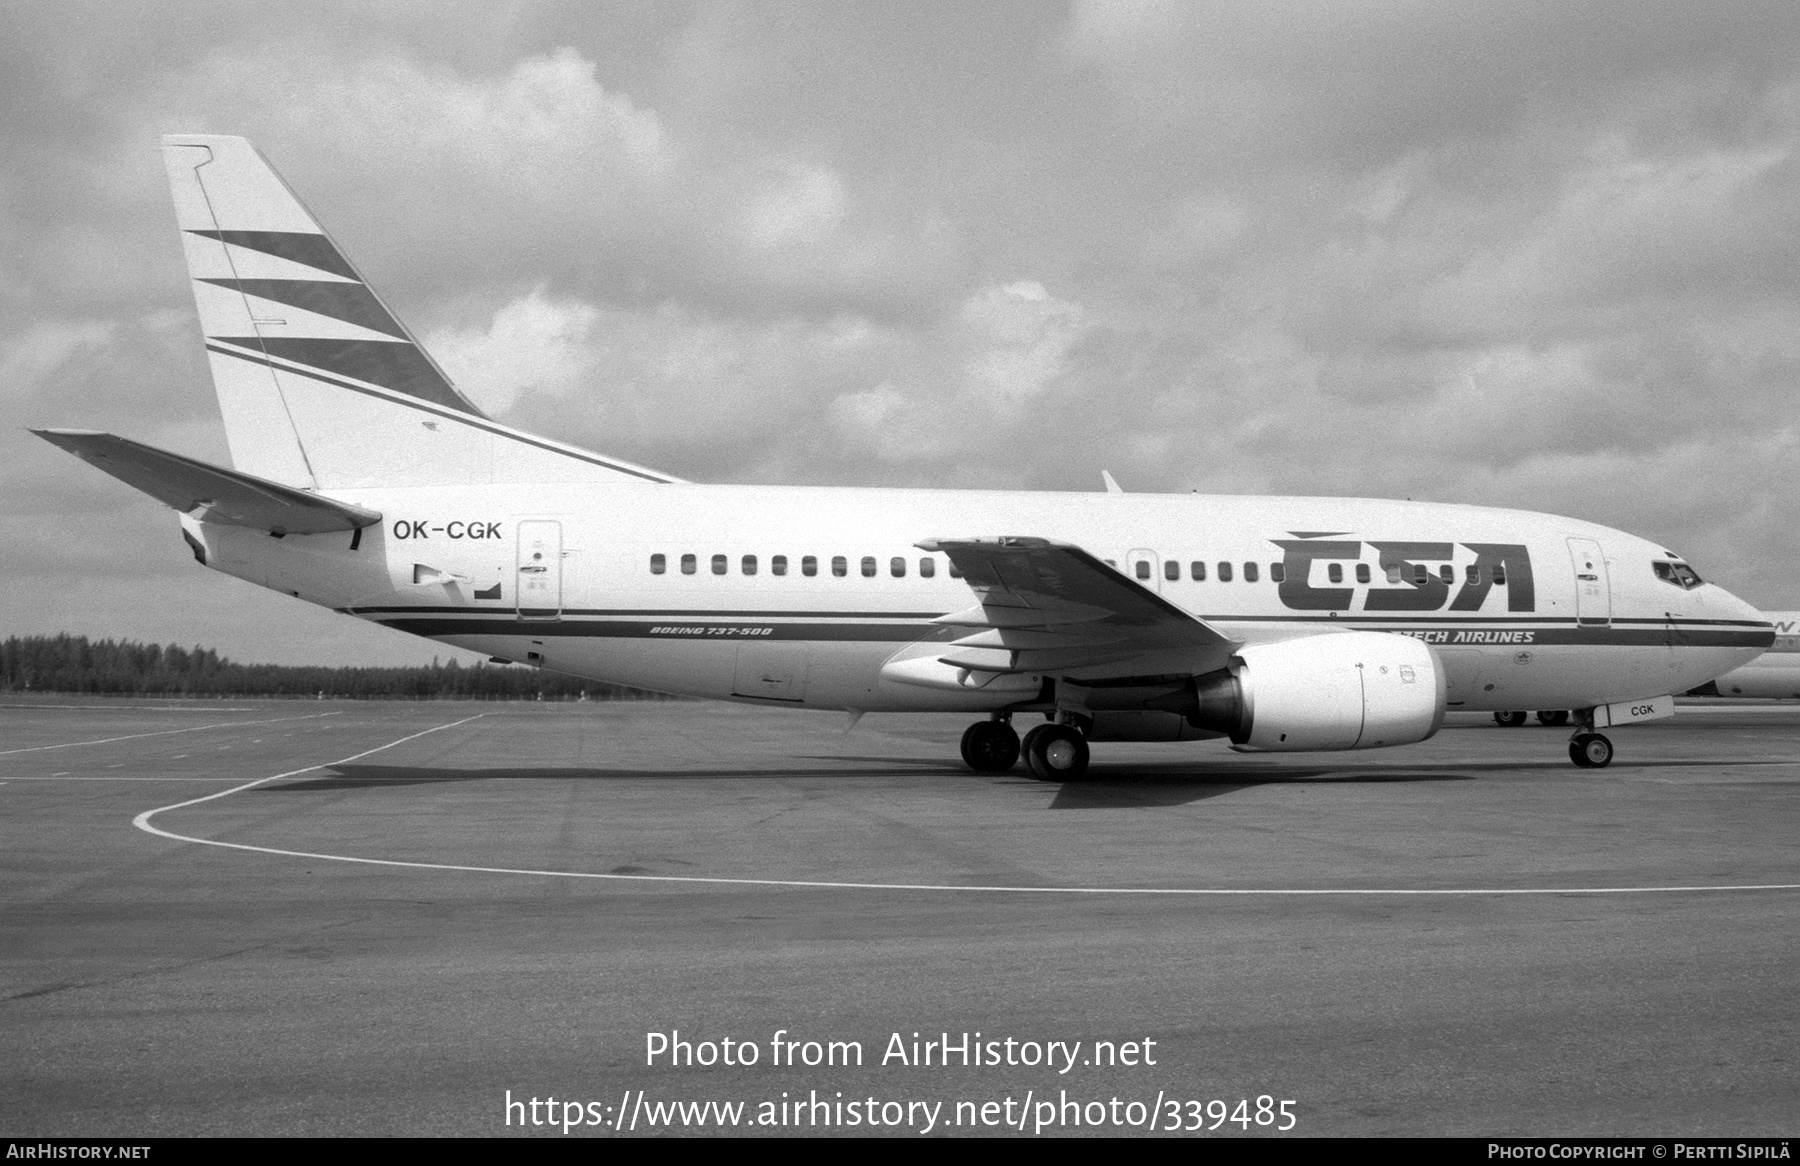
1727, 606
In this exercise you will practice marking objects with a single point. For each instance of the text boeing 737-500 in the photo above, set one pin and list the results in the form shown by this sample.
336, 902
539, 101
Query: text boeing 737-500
364, 481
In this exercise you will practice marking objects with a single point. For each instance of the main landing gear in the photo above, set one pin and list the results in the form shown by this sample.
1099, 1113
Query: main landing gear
1550, 717
990, 746
1052, 752
1055, 753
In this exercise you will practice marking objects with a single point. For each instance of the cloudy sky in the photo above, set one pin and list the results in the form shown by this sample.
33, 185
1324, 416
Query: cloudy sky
1524, 254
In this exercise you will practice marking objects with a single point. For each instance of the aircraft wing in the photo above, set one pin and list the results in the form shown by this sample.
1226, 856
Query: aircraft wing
211, 493
1049, 606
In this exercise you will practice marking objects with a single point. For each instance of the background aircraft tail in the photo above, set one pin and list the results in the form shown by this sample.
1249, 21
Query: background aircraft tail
320, 384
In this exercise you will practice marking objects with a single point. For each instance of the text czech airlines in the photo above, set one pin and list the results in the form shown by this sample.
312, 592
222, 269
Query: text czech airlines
459, 529
1476, 636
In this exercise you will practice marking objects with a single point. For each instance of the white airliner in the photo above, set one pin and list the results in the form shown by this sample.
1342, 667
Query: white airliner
1774, 675
365, 482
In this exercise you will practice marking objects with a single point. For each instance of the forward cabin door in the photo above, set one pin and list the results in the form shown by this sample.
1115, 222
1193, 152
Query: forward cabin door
540, 570
1593, 592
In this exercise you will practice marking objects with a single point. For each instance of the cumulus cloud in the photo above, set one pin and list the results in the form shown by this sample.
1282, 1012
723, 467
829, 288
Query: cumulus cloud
46, 346
533, 344
542, 172
1020, 335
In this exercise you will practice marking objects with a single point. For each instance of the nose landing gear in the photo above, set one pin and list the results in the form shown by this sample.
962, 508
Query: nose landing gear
1590, 750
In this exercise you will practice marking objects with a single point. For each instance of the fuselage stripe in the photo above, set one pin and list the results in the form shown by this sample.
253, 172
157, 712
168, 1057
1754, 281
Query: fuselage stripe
701, 626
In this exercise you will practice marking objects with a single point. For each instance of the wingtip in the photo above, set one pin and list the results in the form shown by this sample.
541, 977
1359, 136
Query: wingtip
67, 438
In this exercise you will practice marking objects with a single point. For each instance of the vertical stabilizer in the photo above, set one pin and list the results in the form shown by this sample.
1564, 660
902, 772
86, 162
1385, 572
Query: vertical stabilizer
320, 385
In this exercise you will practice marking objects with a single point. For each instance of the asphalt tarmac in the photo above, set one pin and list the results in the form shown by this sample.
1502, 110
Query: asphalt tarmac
433, 907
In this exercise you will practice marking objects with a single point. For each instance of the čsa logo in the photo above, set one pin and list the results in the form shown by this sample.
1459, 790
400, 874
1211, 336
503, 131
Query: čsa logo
1411, 576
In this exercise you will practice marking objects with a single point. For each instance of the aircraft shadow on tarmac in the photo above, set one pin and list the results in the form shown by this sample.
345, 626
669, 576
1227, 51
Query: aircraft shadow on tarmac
1140, 786
1122, 788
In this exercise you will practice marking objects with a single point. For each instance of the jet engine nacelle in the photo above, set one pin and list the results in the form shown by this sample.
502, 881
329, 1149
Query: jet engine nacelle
1344, 690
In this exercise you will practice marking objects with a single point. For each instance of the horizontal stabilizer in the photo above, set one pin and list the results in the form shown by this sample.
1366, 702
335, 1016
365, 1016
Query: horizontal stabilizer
208, 492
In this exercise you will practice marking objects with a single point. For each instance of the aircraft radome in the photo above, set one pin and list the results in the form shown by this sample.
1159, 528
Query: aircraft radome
364, 481
1774, 675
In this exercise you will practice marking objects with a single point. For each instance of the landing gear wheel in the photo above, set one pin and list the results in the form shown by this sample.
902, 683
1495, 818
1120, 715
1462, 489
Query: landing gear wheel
1591, 751
990, 747
1554, 717
1056, 753
1029, 747
1509, 720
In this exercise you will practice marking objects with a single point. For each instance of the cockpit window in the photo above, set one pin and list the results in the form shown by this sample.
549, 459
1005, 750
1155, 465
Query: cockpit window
1677, 575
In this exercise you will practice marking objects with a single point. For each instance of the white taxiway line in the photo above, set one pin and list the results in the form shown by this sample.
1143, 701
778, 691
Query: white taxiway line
167, 732
142, 822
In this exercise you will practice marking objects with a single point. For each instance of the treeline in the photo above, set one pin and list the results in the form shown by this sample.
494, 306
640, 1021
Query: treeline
76, 664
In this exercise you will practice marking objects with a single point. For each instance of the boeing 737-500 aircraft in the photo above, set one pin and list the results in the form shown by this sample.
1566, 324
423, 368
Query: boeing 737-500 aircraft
363, 480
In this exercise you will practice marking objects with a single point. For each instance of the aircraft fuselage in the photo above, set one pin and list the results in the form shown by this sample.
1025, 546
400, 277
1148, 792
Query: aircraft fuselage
800, 595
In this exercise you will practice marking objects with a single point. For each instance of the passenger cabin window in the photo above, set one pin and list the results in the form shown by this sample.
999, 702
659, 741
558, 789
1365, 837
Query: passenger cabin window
778, 565
1278, 572
1142, 568
1473, 575
1677, 574
1499, 570
897, 567
658, 564
1421, 574
1197, 570
1393, 572
1447, 574
1362, 572
749, 564
1224, 571
809, 565
1335, 572
955, 571
840, 566
718, 564
927, 568
1250, 572
688, 564
1171, 570
868, 566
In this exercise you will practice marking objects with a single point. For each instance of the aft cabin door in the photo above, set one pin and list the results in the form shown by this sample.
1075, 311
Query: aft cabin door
1593, 593
540, 570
